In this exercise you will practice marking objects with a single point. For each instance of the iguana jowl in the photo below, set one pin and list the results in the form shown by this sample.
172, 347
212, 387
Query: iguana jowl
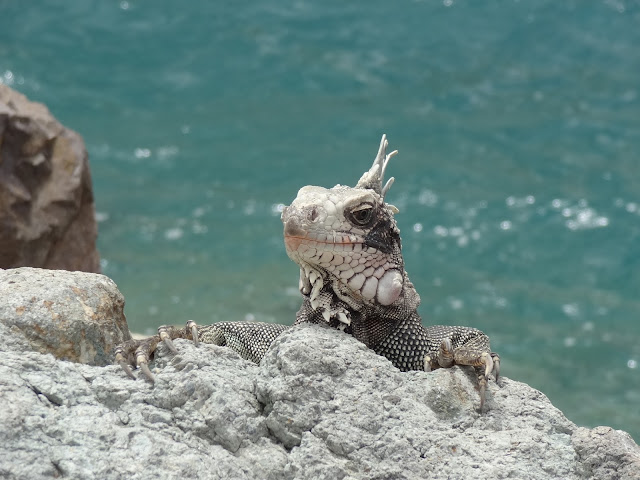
352, 277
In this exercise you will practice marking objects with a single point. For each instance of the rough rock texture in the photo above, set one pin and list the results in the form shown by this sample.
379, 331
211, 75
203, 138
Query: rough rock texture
602, 450
319, 406
46, 199
75, 316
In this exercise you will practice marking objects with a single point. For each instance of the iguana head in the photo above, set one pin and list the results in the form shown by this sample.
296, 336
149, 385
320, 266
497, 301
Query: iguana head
347, 236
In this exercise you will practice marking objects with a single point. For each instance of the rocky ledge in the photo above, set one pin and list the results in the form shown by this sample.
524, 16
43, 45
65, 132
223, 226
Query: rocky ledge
320, 405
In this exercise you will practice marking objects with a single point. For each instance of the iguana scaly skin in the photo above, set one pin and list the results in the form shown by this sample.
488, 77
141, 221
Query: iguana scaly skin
352, 277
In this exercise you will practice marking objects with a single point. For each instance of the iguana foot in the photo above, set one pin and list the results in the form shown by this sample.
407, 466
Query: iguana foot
137, 353
485, 363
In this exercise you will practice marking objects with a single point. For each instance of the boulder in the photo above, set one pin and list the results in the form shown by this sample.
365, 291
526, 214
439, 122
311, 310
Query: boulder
319, 406
75, 316
46, 200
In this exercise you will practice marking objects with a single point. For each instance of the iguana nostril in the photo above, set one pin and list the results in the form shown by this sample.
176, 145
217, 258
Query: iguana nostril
292, 228
312, 214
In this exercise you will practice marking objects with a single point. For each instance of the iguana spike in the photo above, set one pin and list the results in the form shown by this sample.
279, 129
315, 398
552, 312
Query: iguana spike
374, 177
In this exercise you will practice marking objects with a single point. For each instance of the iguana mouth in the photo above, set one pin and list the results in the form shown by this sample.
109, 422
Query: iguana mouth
292, 242
295, 233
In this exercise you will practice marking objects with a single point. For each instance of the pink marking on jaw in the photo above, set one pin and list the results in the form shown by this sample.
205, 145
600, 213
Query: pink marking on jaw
292, 242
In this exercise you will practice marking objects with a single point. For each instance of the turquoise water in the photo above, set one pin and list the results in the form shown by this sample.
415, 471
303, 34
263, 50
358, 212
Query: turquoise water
518, 181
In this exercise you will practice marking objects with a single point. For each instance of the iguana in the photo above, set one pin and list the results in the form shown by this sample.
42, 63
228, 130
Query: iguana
352, 277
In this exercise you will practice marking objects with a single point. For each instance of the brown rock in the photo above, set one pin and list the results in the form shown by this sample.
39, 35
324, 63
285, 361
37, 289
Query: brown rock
75, 316
46, 199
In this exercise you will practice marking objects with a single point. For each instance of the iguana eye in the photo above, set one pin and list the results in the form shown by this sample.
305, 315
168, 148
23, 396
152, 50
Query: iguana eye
362, 214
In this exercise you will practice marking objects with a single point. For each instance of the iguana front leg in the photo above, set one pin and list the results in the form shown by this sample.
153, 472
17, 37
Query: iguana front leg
250, 339
463, 346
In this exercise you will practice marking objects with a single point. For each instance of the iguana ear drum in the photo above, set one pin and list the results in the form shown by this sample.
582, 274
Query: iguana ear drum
389, 287
385, 290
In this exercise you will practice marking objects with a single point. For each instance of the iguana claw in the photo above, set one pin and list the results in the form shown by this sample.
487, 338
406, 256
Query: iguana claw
120, 360
496, 365
164, 336
193, 328
491, 363
142, 361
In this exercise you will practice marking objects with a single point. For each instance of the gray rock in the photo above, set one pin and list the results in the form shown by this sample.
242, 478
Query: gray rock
603, 451
47, 215
320, 405
75, 316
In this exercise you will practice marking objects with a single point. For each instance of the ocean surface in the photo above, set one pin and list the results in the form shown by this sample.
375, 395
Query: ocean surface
518, 178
